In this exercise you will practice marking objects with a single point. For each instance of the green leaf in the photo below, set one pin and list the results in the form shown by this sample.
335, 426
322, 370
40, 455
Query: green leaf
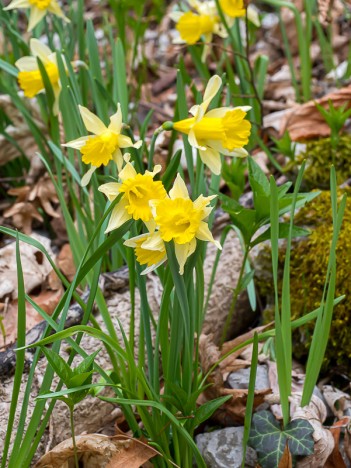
260, 188
59, 365
283, 233
206, 410
269, 441
243, 218
79, 379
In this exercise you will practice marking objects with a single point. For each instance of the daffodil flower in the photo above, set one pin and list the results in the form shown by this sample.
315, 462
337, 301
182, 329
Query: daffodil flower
221, 130
38, 9
236, 9
104, 145
137, 190
204, 22
182, 220
149, 250
29, 76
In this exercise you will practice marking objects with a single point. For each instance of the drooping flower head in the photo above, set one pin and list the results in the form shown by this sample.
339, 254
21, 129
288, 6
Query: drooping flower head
223, 130
149, 250
138, 190
38, 9
29, 76
105, 144
202, 22
182, 220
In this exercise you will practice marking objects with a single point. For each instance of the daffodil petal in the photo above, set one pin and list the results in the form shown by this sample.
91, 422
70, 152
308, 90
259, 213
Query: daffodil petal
87, 176
35, 16
176, 15
55, 8
151, 225
183, 251
193, 141
119, 216
18, 4
253, 16
212, 159
153, 267
92, 123
153, 242
217, 146
27, 64
138, 144
204, 234
118, 159
179, 189
111, 190
116, 120
124, 141
38, 49
194, 110
211, 90
132, 241
128, 172
76, 144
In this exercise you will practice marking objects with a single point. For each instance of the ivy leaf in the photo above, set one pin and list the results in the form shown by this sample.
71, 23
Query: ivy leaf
269, 441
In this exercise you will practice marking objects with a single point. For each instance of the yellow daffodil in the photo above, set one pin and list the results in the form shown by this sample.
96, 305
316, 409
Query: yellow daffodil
104, 145
38, 9
182, 220
236, 9
221, 130
137, 190
204, 22
29, 76
149, 250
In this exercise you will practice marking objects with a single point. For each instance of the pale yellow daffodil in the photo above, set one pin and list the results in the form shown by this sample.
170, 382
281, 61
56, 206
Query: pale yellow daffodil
38, 9
104, 145
202, 22
29, 76
137, 191
149, 250
182, 220
218, 131
236, 9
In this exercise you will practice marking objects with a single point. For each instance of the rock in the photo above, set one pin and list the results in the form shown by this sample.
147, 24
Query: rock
240, 378
223, 448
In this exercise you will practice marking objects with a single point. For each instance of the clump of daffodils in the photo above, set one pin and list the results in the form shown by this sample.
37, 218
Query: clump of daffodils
104, 145
38, 9
204, 20
223, 130
168, 217
29, 76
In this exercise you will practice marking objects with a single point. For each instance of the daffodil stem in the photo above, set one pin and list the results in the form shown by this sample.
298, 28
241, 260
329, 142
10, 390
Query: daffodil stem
237, 291
152, 147
71, 410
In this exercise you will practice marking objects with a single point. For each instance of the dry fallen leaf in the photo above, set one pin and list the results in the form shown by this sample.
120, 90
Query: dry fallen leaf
335, 459
99, 451
324, 8
65, 262
286, 460
337, 400
305, 122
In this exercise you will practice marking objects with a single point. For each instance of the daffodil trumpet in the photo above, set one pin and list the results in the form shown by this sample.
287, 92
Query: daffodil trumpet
219, 131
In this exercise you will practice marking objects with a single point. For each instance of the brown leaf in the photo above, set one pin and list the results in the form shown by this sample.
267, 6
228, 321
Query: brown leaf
286, 460
99, 451
66, 263
324, 8
335, 459
305, 122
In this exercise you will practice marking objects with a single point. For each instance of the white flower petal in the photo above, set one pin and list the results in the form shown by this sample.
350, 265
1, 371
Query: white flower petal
27, 64
55, 8
91, 121
179, 189
132, 241
38, 49
116, 120
111, 190
87, 176
35, 16
153, 267
18, 4
119, 216
217, 146
253, 16
76, 144
138, 144
212, 159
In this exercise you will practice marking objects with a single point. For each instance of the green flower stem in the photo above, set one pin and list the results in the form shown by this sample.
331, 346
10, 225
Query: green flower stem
71, 417
237, 290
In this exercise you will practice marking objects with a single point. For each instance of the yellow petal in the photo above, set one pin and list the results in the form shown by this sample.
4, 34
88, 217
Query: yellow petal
87, 176
128, 172
18, 4
76, 144
118, 159
179, 189
55, 8
183, 251
212, 159
111, 190
92, 123
193, 141
124, 141
38, 49
116, 121
204, 234
27, 64
35, 16
119, 216
211, 90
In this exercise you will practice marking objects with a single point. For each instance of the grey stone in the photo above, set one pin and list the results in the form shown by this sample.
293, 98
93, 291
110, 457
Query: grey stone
224, 448
240, 378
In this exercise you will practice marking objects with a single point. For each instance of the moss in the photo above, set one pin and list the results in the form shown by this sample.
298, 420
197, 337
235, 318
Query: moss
309, 259
318, 155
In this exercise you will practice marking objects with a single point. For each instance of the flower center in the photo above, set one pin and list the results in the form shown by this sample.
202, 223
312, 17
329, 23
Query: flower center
146, 256
138, 191
32, 83
191, 26
178, 220
41, 4
99, 149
